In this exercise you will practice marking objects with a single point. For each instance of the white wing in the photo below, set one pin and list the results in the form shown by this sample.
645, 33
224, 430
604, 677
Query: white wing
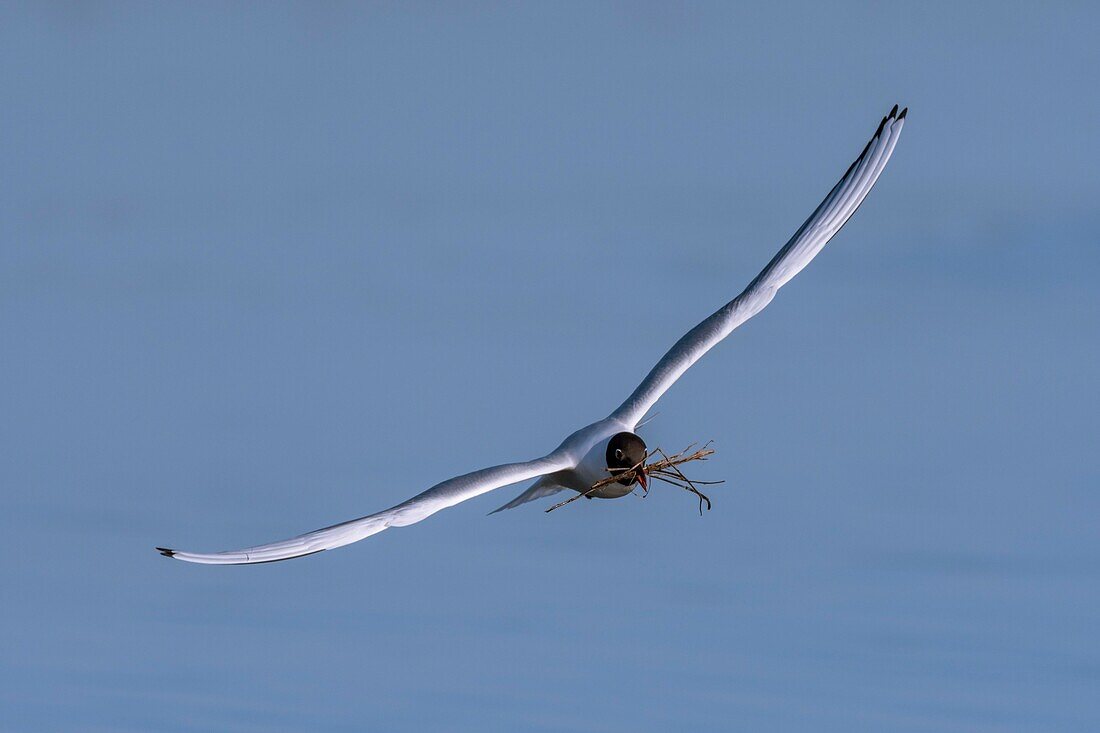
440, 496
823, 224
545, 486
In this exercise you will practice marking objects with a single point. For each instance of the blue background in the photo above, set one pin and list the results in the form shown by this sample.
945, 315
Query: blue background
265, 267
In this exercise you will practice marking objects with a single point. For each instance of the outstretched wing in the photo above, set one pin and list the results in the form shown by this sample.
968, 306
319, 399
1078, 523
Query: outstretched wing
440, 496
827, 219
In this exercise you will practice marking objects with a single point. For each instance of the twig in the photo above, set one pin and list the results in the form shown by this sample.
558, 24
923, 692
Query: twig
572, 499
690, 486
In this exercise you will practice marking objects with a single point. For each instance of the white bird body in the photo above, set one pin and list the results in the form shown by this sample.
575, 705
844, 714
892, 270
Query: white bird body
586, 456
589, 446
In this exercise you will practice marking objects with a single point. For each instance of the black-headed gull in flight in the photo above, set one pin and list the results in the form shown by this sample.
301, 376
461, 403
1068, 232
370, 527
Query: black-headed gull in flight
610, 445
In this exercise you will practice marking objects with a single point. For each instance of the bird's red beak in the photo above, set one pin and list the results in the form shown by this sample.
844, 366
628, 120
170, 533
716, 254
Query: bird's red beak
642, 479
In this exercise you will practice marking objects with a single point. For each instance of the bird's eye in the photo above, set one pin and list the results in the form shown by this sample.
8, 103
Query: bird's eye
619, 454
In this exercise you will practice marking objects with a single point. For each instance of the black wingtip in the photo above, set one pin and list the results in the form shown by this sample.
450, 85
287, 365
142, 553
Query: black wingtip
903, 113
894, 112
166, 552
880, 126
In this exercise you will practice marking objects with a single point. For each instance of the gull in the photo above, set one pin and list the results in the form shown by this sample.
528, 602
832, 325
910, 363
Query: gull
610, 446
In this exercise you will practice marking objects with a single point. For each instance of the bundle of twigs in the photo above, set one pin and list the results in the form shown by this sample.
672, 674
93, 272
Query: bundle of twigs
665, 470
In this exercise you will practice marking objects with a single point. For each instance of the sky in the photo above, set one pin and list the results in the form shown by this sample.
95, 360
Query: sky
266, 267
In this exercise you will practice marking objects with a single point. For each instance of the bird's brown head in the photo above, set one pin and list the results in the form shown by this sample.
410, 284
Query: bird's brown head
626, 451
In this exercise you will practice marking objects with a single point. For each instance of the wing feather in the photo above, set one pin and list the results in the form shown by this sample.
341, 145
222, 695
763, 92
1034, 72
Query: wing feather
440, 496
827, 219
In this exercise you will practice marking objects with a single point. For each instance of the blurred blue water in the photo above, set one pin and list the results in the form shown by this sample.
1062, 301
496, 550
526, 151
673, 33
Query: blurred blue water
263, 268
